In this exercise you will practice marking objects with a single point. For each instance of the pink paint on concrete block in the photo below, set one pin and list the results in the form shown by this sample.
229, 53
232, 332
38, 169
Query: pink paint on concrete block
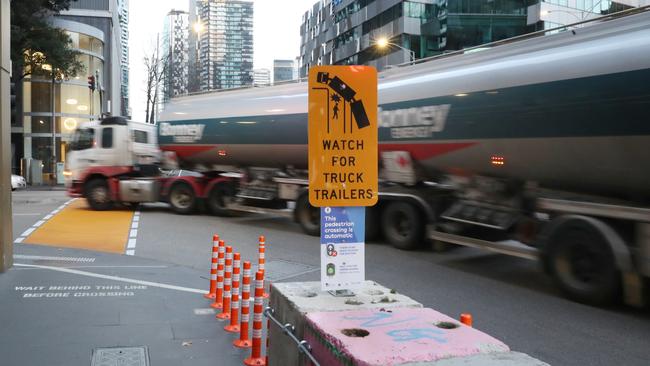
395, 336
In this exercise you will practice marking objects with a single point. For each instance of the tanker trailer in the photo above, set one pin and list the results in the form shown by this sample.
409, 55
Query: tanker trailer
535, 147
543, 140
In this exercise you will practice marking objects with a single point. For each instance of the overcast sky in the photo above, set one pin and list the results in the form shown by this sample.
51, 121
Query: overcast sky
276, 36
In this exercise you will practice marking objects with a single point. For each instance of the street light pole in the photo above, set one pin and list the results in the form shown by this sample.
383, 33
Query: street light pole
53, 125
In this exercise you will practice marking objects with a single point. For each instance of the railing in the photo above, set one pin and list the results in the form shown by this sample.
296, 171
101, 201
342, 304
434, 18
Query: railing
288, 329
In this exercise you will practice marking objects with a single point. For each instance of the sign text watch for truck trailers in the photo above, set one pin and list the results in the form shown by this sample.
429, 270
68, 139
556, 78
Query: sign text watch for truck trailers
342, 136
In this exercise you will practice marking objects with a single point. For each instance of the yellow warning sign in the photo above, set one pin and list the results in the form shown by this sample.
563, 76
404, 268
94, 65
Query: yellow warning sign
342, 136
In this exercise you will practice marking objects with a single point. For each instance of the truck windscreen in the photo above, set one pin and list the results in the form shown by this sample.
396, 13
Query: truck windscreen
84, 138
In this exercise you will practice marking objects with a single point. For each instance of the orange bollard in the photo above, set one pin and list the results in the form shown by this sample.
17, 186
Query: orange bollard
466, 319
268, 334
256, 358
218, 300
227, 282
262, 259
243, 341
233, 327
212, 293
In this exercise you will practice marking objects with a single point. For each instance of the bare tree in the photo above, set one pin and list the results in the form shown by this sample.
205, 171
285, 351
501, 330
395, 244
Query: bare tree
156, 66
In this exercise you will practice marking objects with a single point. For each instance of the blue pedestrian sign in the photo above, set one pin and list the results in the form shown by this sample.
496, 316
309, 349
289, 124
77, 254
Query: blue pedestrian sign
342, 238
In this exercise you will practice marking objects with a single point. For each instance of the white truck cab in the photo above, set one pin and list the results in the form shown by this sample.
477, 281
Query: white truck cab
111, 142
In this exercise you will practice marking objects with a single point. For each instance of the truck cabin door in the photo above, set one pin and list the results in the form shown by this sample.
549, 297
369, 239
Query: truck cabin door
112, 149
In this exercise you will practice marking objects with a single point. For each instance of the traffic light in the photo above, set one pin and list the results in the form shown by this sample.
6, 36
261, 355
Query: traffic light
91, 83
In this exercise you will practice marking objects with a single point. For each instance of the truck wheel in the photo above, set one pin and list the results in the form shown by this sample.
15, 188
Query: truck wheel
98, 195
182, 198
307, 216
402, 225
582, 264
219, 195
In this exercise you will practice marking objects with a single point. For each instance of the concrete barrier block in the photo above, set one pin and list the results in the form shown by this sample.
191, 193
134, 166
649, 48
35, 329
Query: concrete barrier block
398, 336
292, 300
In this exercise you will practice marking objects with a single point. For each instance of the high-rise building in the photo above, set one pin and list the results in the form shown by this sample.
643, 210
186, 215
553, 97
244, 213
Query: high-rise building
175, 54
346, 32
548, 14
49, 113
296, 68
123, 17
283, 70
261, 77
195, 29
226, 43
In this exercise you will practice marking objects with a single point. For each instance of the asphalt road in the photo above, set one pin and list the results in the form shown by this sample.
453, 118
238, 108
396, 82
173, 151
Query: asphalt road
509, 298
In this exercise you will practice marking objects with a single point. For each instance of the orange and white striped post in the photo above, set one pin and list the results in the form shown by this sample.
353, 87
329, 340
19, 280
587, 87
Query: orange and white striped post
227, 282
262, 259
256, 358
218, 300
233, 327
212, 293
243, 341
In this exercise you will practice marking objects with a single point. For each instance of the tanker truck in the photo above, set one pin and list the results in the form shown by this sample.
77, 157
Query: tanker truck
536, 147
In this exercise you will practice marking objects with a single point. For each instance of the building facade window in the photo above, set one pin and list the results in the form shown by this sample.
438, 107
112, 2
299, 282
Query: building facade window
52, 112
349, 29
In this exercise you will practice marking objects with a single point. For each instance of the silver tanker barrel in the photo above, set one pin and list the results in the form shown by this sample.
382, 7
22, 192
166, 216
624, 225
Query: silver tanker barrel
567, 111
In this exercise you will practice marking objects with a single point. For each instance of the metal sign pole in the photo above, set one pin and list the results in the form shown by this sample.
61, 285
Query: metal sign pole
6, 236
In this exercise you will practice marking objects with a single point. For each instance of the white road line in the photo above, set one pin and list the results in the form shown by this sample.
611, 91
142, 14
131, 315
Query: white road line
114, 278
49, 216
30, 268
133, 235
19, 240
39, 223
52, 258
28, 231
131, 244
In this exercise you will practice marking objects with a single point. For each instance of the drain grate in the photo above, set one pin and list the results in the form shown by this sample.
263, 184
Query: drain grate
120, 356
278, 270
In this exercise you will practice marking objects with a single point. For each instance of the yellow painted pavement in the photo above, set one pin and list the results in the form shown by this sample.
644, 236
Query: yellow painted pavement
78, 226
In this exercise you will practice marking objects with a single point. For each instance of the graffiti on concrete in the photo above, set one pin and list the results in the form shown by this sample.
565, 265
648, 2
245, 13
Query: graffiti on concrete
398, 334
412, 334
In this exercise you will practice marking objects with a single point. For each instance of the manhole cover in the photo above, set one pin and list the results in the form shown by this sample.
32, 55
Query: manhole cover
121, 356
278, 270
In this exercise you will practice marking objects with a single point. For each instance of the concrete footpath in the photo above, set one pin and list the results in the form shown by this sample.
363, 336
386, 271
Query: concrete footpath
64, 307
